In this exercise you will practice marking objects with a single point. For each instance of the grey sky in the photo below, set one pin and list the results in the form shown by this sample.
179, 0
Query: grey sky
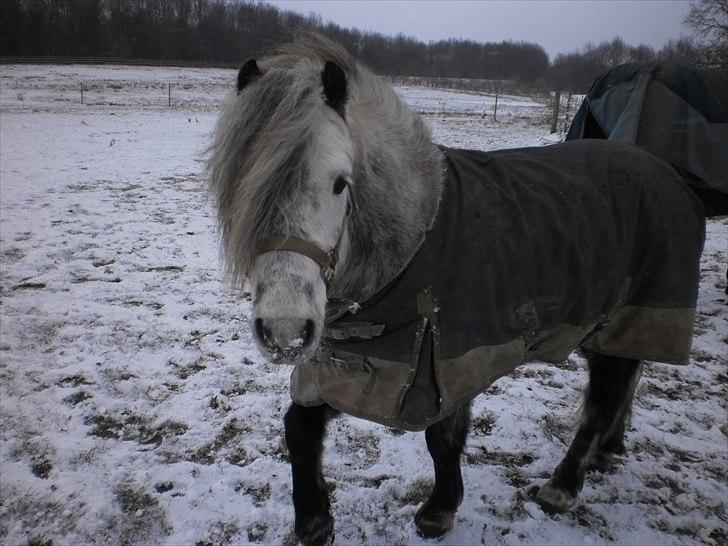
558, 25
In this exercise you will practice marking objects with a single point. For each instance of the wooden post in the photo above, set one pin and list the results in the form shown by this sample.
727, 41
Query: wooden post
81, 92
555, 119
495, 108
169, 94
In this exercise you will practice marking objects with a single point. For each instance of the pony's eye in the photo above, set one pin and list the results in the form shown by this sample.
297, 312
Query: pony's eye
339, 185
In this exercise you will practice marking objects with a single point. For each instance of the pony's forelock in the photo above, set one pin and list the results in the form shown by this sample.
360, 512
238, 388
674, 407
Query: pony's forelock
257, 159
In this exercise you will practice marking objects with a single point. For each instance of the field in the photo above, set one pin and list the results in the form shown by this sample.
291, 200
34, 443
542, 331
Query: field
135, 407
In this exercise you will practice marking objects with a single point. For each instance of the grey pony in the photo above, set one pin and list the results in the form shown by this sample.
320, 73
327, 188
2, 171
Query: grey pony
267, 180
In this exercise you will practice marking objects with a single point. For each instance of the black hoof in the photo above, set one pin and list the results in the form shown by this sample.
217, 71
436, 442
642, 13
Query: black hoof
315, 530
553, 500
433, 523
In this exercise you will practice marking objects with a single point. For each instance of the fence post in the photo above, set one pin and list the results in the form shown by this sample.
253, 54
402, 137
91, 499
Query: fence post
555, 119
495, 109
169, 94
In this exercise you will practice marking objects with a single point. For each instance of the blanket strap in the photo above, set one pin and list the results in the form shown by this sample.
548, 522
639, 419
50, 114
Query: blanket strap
346, 330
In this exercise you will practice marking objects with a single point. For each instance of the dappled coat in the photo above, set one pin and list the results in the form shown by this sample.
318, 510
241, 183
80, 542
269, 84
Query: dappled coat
533, 253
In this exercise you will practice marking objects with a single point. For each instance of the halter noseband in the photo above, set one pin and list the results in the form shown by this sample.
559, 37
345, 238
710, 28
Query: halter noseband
326, 260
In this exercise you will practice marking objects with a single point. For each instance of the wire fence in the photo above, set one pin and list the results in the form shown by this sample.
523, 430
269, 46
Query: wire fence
64, 89
115, 60
475, 85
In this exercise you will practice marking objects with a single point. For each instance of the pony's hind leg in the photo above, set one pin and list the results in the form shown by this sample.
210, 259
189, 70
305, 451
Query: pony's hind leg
445, 442
305, 429
607, 404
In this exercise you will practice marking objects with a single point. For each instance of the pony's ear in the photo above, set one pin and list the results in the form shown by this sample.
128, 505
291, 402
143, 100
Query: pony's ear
334, 81
247, 73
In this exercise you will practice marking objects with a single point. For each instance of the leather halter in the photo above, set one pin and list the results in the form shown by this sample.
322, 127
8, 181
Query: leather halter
326, 260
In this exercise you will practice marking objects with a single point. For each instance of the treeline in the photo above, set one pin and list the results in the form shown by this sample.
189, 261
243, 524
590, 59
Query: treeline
575, 71
233, 30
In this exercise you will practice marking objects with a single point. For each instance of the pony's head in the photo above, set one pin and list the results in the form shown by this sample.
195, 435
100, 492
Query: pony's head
309, 132
282, 171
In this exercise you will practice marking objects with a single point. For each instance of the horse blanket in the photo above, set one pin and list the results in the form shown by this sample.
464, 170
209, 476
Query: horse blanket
676, 112
533, 253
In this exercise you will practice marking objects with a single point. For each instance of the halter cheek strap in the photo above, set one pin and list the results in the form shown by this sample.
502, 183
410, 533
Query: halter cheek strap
326, 260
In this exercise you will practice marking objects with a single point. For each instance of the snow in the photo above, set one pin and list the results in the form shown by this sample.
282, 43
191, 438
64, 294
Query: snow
135, 407
428, 100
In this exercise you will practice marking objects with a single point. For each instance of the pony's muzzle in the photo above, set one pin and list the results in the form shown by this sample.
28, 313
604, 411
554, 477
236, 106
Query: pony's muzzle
285, 338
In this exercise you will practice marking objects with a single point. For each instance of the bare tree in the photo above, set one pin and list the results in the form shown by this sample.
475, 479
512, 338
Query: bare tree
615, 52
708, 19
641, 54
683, 50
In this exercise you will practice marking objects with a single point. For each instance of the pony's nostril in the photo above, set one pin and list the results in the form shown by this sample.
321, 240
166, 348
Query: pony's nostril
307, 332
263, 331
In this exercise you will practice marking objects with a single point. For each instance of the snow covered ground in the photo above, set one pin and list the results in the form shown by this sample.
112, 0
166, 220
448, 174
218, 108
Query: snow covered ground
136, 409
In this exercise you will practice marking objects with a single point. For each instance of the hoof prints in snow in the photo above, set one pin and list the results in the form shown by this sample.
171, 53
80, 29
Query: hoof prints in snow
29, 286
136, 409
137, 428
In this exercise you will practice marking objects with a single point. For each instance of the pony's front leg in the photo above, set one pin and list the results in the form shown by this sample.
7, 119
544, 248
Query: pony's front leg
305, 429
608, 401
445, 441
